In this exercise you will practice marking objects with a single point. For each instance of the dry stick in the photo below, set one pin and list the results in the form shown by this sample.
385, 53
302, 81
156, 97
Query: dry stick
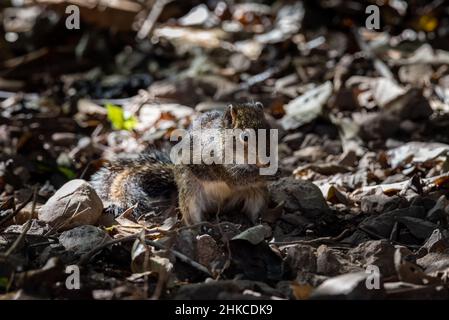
49, 232
26, 227
313, 241
150, 21
15, 212
38, 244
84, 259
379, 237
19, 239
73, 216
180, 256
128, 211
200, 224
33, 206
228, 248
85, 170
162, 279
146, 259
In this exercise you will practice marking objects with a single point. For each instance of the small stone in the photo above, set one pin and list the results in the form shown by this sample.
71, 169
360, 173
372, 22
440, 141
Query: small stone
83, 239
378, 203
302, 258
37, 228
76, 203
327, 262
255, 234
207, 249
438, 241
299, 195
186, 243
378, 253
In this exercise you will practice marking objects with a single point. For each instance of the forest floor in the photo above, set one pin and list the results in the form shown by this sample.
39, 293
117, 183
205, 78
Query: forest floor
359, 207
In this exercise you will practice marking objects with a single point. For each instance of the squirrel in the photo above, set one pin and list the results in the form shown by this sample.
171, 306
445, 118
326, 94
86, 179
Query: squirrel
202, 189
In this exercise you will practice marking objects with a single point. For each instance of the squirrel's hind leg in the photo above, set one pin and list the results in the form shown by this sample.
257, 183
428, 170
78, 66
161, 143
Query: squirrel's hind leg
255, 202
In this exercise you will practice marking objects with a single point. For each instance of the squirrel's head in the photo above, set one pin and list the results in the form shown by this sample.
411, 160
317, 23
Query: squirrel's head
245, 116
246, 120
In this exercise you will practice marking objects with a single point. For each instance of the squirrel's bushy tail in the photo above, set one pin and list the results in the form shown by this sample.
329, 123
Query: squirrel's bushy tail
145, 180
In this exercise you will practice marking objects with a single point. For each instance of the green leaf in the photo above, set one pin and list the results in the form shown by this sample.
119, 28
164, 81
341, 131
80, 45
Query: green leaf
68, 173
130, 123
117, 118
115, 115
4, 282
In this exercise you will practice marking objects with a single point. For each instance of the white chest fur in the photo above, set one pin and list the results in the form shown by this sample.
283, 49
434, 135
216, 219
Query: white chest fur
217, 196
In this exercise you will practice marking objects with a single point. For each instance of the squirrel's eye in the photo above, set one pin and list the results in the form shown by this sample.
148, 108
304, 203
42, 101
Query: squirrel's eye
244, 136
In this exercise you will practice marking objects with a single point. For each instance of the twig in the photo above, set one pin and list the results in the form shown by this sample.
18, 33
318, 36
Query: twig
150, 21
33, 206
15, 212
162, 279
85, 170
314, 241
55, 228
200, 224
38, 244
128, 211
70, 219
19, 239
228, 249
84, 259
180, 256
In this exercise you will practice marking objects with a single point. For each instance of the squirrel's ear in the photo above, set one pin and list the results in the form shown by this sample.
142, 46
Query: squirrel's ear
231, 115
259, 105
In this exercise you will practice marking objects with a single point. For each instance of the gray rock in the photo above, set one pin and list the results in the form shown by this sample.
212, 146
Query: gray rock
382, 224
83, 239
434, 262
76, 203
378, 253
412, 105
186, 243
299, 195
438, 241
327, 262
255, 234
37, 228
378, 203
207, 249
302, 258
